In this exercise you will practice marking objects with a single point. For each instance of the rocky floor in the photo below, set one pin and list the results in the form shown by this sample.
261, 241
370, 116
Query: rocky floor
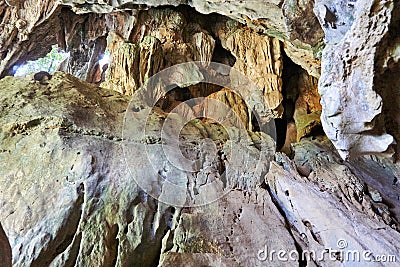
74, 192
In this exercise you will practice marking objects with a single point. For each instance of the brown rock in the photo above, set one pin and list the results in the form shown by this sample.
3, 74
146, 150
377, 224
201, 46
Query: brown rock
259, 58
226, 107
5, 249
133, 64
307, 108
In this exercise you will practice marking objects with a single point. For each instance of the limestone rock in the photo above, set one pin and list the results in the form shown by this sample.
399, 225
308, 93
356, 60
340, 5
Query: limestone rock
17, 43
203, 47
83, 36
132, 64
258, 57
194, 259
201, 90
308, 59
387, 66
291, 138
181, 41
338, 191
271, 17
89, 178
158, 42
226, 107
307, 108
68, 198
181, 108
351, 106
222, 228
336, 17
301, 23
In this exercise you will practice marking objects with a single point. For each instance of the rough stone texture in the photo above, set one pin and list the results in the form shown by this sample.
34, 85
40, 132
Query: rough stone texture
132, 64
222, 228
307, 110
231, 109
274, 18
181, 40
260, 58
307, 59
291, 138
194, 260
67, 196
161, 38
75, 193
17, 43
83, 36
302, 25
304, 35
51, 203
325, 200
352, 107
335, 17
386, 83
323, 167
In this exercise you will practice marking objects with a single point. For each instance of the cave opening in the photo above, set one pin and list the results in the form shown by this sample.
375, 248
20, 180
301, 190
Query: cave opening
51, 62
222, 55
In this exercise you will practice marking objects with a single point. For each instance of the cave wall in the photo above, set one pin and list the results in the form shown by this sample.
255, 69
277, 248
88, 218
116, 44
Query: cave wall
77, 190
351, 82
72, 196
302, 28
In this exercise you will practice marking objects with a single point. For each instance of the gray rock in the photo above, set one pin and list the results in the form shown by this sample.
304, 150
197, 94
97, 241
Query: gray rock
351, 106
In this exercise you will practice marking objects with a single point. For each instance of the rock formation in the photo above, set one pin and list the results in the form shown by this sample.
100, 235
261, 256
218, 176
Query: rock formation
167, 155
352, 113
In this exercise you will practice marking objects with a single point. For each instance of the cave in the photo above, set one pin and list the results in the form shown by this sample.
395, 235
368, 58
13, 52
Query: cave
199, 133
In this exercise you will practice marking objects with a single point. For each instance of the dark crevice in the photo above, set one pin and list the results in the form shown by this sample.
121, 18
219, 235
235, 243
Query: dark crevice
221, 55
74, 251
5, 249
255, 122
290, 78
113, 244
281, 127
147, 253
315, 235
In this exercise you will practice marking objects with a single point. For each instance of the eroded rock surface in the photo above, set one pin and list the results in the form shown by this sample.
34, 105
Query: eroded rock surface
71, 196
259, 57
307, 111
83, 206
47, 22
133, 64
326, 200
83, 183
351, 105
